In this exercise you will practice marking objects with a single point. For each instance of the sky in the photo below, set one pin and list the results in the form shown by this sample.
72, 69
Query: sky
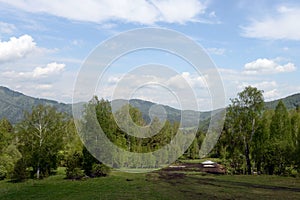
44, 44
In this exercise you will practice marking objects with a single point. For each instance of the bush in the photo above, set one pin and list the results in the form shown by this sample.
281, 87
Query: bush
20, 172
290, 171
99, 170
3, 172
73, 164
75, 173
88, 161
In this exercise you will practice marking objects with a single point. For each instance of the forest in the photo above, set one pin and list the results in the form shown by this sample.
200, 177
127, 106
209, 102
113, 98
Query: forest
254, 139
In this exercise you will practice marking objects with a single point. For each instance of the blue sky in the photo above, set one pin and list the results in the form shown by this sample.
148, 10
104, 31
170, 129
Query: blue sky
44, 43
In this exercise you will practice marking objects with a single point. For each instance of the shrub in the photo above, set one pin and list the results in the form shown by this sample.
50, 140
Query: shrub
20, 172
76, 173
3, 172
73, 164
99, 170
290, 171
88, 161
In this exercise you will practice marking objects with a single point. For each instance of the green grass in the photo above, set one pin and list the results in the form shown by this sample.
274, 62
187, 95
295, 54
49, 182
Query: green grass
163, 185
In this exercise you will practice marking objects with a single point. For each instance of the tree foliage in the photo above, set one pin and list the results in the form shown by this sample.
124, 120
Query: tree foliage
9, 153
40, 137
243, 117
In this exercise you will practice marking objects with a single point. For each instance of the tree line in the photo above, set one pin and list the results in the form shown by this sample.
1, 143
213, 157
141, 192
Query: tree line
258, 140
253, 140
47, 139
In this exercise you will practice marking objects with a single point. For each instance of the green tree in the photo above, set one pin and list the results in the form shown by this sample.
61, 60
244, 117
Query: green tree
88, 161
280, 142
261, 140
295, 131
243, 116
72, 143
9, 153
5, 134
193, 150
40, 137
73, 166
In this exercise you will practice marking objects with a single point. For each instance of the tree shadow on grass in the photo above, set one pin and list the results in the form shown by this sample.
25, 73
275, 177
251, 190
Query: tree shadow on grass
228, 183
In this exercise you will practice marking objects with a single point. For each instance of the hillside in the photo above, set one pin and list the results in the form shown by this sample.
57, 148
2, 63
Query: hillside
173, 115
291, 102
13, 104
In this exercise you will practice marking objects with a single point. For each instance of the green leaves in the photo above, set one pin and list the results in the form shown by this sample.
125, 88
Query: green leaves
242, 120
40, 137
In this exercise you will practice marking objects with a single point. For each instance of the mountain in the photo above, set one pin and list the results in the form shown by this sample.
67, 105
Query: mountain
13, 104
149, 109
291, 102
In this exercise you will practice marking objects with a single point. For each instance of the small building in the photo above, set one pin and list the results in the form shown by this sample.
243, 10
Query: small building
212, 167
209, 164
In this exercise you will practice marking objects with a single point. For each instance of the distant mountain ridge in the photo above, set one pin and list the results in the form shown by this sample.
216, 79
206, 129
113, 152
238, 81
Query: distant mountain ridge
172, 114
291, 102
13, 104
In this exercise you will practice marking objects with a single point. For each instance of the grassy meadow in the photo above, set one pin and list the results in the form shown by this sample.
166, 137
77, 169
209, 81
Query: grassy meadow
155, 185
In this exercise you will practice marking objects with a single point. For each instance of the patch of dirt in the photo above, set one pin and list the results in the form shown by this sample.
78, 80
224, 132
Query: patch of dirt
196, 167
171, 176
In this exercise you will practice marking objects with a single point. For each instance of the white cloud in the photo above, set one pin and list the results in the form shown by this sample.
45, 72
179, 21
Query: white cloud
267, 66
38, 72
178, 11
142, 11
16, 48
108, 26
271, 95
161, 87
216, 51
195, 80
77, 42
235, 81
7, 28
50, 69
265, 85
269, 87
212, 14
43, 86
283, 24
114, 79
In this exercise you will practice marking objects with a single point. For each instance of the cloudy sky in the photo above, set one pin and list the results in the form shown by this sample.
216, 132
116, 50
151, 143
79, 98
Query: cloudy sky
43, 44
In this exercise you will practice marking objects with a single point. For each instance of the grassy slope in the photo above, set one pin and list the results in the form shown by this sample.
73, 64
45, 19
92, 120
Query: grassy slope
155, 186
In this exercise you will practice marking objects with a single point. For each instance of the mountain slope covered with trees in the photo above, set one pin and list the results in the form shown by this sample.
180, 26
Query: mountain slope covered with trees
13, 104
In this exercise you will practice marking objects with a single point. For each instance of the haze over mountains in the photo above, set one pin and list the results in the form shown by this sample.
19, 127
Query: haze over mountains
13, 104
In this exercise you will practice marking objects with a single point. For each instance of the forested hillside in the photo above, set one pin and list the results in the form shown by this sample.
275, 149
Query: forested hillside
252, 140
290, 102
13, 104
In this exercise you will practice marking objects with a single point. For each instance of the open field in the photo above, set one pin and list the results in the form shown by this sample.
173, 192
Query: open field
157, 185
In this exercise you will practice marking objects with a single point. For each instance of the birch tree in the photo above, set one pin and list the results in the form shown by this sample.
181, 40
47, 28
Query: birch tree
243, 116
40, 137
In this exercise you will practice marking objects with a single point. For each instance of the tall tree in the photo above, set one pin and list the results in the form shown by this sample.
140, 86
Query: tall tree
280, 140
295, 126
296, 138
243, 116
9, 153
40, 137
261, 140
5, 134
